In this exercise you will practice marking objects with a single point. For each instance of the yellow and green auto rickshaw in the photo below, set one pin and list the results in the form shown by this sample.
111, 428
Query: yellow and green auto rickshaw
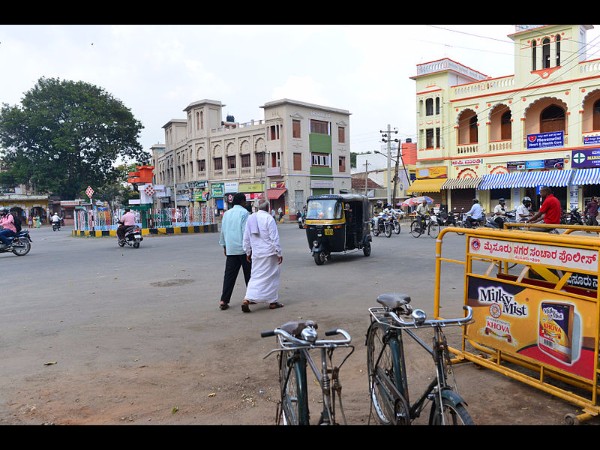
337, 223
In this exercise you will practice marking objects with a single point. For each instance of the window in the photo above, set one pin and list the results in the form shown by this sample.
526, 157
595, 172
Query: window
231, 162
505, 126
533, 55
438, 135
260, 158
246, 160
321, 159
276, 159
218, 163
342, 135
319, 127
296, 129
557, 50
473, 130
596, 114
429, 107
546, 53
201, 165
342, 164
274, 132
437, 105
297, 161
552, 118
429, 138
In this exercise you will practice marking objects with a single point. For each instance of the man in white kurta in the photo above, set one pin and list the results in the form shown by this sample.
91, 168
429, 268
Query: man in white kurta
261, 244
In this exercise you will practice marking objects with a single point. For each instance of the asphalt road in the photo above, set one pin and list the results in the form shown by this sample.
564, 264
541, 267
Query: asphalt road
75, 303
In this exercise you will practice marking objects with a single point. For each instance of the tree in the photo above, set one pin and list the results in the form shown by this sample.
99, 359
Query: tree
66, 136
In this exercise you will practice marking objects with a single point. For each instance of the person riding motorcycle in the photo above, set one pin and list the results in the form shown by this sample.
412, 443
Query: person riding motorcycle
475, 214
127, 220
524, 210
7, 224
500, 213
56, 219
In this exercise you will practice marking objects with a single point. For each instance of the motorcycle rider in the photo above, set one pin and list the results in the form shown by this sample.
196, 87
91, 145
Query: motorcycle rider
475, 214
56, 220
8, 227
127, 220
523, 210
500, 213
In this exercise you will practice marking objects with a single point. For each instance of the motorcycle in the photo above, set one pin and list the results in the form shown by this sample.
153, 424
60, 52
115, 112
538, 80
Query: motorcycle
133, 237
511, 216
20, 244
300, 220
572, 218
384, 223
445, 218
55, 226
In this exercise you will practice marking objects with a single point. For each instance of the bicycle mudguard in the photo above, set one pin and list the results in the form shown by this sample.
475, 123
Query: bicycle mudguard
453, 397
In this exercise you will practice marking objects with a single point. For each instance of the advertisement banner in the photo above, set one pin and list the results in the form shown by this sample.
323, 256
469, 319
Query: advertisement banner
591, 140
547, 327
545, 140
217, 190
585, 159
433, 172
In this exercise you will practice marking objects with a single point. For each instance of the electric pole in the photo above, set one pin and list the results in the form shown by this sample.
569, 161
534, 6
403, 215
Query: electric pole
366, 174
386, 137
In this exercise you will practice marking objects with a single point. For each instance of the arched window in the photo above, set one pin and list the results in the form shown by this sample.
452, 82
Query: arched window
429, 107
533, 55
596, 115
546, 53
473, 129
552, 118
437, 105
557, 50
505, 126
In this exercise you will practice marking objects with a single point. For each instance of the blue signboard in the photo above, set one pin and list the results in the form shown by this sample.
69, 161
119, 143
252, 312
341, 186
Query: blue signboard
591, 140
585, 159
545, 140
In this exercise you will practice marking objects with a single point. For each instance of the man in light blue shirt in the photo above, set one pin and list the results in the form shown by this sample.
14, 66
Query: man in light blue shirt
232, 241
475, 214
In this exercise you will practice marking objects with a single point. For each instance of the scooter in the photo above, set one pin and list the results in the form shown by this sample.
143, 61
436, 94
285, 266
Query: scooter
133, 237
509, 217
20, 244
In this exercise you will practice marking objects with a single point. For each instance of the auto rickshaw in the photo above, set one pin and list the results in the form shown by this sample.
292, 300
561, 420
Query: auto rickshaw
337, 223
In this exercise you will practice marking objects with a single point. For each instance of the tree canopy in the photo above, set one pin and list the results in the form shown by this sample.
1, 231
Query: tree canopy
67, 135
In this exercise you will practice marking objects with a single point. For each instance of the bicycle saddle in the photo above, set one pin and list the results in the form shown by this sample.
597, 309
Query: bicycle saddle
295, 327
394, 300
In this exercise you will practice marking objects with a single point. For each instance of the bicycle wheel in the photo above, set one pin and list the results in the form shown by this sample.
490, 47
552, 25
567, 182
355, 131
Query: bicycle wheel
414, 230
391, 407
460, 224
294, 398
452, 414
433, 229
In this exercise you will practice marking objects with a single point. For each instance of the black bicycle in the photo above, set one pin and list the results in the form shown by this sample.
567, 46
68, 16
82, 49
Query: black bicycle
425, 225
295, 341
386, 365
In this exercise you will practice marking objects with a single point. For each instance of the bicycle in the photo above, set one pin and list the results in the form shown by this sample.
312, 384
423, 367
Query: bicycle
431, 226
386, 365
295, 341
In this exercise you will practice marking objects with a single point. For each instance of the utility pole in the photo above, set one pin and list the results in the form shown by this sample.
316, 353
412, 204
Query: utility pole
366, 174
386, 137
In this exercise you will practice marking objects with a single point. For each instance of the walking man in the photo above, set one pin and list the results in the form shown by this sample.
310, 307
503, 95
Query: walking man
261, 243
231, 239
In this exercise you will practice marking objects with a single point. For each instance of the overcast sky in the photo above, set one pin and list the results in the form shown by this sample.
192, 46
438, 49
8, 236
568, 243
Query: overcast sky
158, 70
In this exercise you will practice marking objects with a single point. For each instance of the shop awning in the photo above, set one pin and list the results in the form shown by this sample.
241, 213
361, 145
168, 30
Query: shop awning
462, 183
586, 176
426, 185
556, 178
274, 194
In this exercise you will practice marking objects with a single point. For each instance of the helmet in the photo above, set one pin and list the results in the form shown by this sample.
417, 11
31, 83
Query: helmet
526, 200
3, 211
475, 200
501, 200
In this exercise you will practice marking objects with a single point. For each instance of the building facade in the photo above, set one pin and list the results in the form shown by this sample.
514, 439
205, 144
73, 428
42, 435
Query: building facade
488, 138
298, 149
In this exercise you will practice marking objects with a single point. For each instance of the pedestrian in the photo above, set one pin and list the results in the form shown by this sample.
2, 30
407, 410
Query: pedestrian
280, 213
550, 210
591, 211
231, 239
261, 244
273, 214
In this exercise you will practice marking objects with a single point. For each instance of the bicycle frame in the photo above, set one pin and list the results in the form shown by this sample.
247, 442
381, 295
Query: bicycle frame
297, 350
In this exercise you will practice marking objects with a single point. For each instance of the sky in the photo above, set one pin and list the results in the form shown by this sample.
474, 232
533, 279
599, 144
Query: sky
158, 70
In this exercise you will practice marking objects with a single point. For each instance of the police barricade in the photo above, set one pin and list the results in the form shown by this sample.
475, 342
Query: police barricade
535, 307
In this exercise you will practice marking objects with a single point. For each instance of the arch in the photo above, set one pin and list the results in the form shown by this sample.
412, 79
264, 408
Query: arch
259, 145
245, 147
466, 173
500, 118
552, 118
590, 120
546, 53
230, 149
498, 170
217, 150
533, 113
467, 127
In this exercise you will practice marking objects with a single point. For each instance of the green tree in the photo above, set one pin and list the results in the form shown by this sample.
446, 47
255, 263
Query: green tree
66, 136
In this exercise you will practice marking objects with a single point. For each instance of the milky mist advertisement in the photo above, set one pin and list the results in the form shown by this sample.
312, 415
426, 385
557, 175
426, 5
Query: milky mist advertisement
550, 328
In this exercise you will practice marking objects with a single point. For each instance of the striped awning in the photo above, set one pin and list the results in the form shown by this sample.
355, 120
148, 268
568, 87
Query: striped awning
586, 176
462, 183
526, 179
426, 185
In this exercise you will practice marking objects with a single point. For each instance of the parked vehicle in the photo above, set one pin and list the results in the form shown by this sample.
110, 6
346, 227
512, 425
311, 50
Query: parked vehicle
511, 216
337, 223
572, 218
20, 244
445, 218
133, 237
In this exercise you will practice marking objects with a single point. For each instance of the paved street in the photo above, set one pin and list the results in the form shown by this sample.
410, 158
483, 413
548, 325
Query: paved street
81, 314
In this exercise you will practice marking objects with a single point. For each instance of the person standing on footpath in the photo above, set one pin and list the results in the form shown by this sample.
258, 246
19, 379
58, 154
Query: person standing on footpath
231, 239
261, 244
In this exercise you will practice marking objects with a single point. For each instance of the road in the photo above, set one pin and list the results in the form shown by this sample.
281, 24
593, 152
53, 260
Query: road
97, 334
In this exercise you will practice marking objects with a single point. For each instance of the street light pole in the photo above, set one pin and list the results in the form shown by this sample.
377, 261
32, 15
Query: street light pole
387, 138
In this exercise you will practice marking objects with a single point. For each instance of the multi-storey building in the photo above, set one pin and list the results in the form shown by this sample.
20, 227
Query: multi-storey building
299, 149
505, 137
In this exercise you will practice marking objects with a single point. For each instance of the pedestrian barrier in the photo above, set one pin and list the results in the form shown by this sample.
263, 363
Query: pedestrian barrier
536, 314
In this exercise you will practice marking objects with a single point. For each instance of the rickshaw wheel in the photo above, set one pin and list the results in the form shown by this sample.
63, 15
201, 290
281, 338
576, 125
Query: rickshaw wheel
367, 249
320, 258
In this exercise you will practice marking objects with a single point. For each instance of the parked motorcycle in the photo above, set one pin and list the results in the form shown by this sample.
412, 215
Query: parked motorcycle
20, 244
445, 218
133, 237
572, 218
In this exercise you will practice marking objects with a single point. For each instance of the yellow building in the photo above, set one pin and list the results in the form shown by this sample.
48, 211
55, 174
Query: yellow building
488, 138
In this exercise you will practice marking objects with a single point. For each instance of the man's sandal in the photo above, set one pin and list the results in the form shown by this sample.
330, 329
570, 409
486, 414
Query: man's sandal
223, 306
275, 305
245, 306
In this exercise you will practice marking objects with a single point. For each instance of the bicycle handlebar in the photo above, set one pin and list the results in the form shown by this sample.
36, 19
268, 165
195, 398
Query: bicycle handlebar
401, 322
289, 340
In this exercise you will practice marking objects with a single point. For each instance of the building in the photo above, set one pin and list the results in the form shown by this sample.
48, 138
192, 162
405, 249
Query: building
486, 137
298, 149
